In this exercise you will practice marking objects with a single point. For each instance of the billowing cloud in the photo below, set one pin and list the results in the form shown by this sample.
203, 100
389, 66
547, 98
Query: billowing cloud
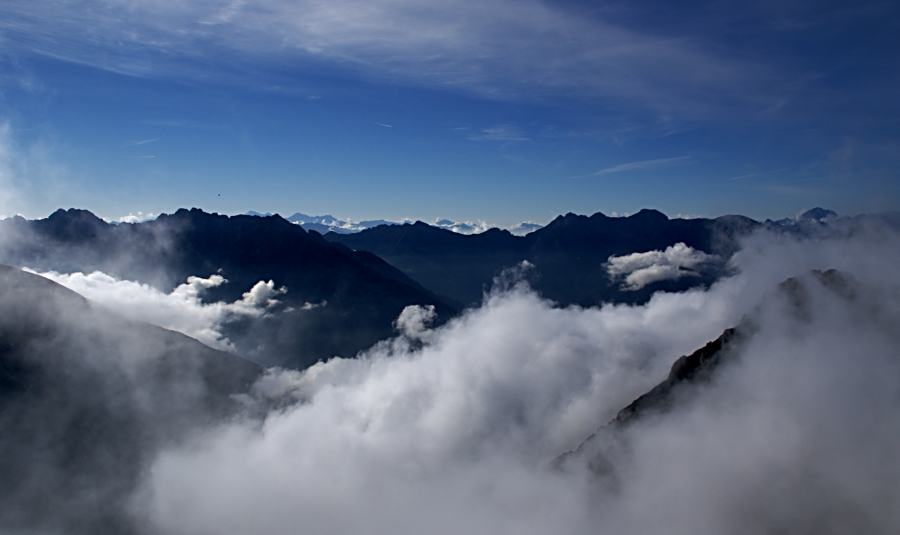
414, 321
182, 310
641, 269
797, 435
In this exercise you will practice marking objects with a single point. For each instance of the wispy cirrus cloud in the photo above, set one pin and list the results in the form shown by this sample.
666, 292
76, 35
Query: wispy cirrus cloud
501, 49
143, 142
633, 166
499, 133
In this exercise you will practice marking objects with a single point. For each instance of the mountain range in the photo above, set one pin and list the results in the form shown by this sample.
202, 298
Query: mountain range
328, 223
89, 397
569, 255
337, 301
343, 292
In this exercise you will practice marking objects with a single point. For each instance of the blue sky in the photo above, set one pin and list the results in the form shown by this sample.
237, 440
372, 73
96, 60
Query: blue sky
496, 110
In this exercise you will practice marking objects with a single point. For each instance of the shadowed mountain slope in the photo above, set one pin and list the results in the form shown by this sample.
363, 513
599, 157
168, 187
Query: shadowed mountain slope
689, 373
569, 254
87, 398
360, 294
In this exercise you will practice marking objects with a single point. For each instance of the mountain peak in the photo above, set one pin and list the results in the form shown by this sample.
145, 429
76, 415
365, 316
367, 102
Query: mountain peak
650, 214
818, 214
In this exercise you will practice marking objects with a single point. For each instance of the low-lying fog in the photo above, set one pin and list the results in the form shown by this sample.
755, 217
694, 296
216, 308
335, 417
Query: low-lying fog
454, 430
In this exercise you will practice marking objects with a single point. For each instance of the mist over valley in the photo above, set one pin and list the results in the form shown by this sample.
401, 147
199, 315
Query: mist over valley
596, 374
406, 267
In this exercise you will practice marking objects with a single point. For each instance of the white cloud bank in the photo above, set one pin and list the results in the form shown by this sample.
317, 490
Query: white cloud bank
798, 435
181, 310
139, 217
641, 269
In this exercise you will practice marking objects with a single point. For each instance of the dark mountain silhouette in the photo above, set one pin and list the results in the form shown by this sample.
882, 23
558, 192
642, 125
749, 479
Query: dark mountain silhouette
813, 215
86, 400
818, 214
568, 254
361, 294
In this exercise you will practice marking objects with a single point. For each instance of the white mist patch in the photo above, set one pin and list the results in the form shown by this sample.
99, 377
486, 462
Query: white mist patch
139, 217
641, 269
414, 321
7, 157
181, 310
451, 438
798, 435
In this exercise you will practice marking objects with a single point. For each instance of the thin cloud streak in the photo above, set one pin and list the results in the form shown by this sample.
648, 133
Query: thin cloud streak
144, 142
765, 173
500, 133
632, 166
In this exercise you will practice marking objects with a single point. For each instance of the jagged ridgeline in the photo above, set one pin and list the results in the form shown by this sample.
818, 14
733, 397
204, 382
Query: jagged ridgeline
357, 295
568, 255
360, 293
345, 291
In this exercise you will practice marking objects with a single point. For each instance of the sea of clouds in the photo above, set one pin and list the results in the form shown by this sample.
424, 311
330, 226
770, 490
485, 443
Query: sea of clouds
455, 429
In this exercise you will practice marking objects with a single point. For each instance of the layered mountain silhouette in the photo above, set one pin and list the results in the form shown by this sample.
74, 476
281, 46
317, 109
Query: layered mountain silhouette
357, 296
87, 399
344, 291
569, 254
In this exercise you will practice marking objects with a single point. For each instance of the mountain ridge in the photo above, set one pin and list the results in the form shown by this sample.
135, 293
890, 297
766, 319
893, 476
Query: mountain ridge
364, 295
569, 254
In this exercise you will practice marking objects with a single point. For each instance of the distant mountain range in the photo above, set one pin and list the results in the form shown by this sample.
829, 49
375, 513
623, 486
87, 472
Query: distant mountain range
345, 291
816, 215
327, 223
584, 260
569, 256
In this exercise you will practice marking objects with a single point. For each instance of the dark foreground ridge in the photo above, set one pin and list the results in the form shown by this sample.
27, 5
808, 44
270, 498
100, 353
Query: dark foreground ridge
86, 401
690, 372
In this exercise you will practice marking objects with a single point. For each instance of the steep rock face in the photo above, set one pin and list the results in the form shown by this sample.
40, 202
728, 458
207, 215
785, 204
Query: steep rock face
569, 254
363, 293
87, 398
